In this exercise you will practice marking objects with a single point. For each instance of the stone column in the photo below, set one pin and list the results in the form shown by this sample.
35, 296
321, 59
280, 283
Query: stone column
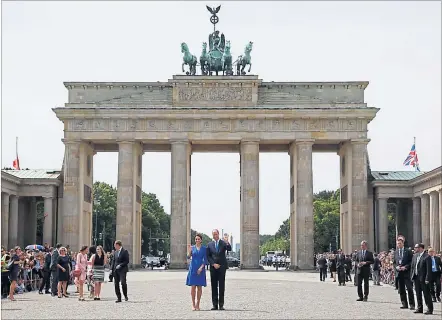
345, 169
129, 198
47, 222
179, 201
434, 220
371, 218
189, 220
72, 208
33, 220
13, 221
249, 205
383, 224
417, 234
22, 229
5, 220
425, 221
440, 219
304, 205
293, 224
360, 221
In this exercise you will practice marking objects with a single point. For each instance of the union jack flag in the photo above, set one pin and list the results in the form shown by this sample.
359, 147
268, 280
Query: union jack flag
412, 159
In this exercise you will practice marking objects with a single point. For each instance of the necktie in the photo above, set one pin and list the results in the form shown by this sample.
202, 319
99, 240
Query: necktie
216, 246
118, 253
433, 264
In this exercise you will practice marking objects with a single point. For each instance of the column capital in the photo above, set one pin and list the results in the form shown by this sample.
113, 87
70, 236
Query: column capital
125, 141
305, 141
250, 141
180, 141
360, 141
71, 141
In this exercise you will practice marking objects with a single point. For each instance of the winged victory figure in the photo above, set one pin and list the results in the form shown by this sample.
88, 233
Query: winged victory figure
213, 10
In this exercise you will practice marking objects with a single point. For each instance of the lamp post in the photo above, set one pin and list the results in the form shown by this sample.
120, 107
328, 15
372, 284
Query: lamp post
96, 204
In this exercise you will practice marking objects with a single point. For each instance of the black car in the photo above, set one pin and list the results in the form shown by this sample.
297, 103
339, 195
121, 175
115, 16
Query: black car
233, 262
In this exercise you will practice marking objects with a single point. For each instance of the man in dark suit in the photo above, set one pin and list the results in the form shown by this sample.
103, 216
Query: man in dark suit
322, 266
340, 267
54, 270
402, 264
363, 260
348, 263
119, 269
420, 267
376, 270
434, 275
46, 283
216, 255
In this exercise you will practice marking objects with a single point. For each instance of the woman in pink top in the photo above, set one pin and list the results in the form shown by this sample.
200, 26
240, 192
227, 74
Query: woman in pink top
82, 266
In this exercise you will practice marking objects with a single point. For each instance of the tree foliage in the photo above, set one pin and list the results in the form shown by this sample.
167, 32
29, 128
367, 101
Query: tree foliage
155, 230
326, 225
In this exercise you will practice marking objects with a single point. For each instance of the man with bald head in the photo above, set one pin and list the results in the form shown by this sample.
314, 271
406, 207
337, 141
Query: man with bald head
216, 255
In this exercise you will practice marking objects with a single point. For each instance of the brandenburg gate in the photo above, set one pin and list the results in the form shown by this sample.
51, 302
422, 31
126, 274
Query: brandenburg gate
215, 113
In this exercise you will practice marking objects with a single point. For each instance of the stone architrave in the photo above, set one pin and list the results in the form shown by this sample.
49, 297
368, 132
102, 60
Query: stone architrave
359, 214
304, 205
434, 220
13, 221
179, 201
417, 220
129, 199
5, 219
425, 221
383, 224
47, 222
249, 205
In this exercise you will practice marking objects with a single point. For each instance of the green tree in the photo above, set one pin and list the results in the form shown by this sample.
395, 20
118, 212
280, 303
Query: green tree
326, 208
104, 214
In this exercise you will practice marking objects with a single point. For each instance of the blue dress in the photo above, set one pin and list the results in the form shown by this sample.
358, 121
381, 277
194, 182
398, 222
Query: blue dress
198, 259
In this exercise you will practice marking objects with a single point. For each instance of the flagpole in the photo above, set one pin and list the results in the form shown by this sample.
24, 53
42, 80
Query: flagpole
415, 152
16, 147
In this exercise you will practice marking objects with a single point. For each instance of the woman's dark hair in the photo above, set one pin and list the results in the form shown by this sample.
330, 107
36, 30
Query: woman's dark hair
93, 249
83, 248
199, 235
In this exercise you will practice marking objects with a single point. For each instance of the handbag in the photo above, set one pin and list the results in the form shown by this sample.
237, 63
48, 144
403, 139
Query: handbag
76, 273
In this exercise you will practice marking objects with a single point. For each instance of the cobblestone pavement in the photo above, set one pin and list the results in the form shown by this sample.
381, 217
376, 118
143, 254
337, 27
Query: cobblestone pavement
249, 295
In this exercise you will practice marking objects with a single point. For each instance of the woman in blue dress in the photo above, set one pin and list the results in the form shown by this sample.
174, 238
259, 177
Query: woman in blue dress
196, 277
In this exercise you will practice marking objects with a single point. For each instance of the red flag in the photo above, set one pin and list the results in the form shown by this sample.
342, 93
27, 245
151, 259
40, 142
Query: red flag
16, 162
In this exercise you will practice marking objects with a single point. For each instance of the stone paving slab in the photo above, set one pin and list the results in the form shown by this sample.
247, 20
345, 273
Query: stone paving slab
249, 295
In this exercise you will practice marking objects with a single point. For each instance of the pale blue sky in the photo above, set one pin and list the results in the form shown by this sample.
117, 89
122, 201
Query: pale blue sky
394, 45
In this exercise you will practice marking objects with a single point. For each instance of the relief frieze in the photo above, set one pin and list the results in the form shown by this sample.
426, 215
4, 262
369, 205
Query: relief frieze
215, 94
215, 125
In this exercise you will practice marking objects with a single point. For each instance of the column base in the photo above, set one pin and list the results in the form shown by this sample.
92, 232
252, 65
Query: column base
178, 266
251, 268
301, 268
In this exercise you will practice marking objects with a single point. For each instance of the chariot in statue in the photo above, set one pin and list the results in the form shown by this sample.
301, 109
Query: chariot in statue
216, 58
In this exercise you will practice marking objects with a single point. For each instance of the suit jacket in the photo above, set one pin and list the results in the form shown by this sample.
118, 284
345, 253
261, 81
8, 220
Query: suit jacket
368, 259
322, 263
122, 260
433, 275
407, 258
218, 256
423, 267
376, 264
47, 262
340, 261
54, 260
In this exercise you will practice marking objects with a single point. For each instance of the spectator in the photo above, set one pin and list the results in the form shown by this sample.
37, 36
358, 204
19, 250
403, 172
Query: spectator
14, 269
63, 272
81, 266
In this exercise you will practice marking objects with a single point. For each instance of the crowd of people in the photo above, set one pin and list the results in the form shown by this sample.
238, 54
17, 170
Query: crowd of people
52, 269
412, 271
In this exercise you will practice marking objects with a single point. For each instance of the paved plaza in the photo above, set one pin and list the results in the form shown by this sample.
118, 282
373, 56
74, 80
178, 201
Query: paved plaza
249, 295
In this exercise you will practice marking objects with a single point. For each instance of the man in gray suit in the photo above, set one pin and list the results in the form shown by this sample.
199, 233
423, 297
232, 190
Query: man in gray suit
54, 270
